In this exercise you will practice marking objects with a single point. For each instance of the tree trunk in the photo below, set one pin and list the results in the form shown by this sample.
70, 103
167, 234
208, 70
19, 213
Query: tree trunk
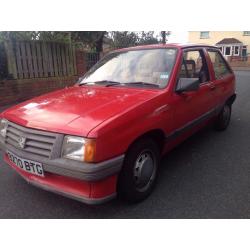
163, 34
99, 43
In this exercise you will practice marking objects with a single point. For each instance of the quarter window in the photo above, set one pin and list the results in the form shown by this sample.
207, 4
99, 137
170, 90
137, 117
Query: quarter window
219, 64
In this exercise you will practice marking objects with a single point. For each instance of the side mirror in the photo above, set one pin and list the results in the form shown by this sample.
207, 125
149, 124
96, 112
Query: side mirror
187, 84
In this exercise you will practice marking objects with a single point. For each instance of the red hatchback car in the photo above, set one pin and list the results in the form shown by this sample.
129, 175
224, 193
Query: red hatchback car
106, 135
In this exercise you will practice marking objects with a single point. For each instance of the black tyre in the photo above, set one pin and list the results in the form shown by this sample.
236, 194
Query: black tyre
223, 118
139, 173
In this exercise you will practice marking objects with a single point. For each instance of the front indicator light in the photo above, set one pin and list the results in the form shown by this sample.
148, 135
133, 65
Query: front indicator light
89, 153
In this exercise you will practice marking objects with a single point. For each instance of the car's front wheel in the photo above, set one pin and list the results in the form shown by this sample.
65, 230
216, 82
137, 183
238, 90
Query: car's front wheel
139, 172
224, 117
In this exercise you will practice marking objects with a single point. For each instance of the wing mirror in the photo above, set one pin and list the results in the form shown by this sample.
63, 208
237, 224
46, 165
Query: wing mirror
187, 84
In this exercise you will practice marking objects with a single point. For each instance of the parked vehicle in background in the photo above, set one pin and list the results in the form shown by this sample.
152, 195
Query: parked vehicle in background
105, 135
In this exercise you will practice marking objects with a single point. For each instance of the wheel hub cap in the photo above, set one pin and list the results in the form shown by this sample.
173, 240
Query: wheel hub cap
144, 170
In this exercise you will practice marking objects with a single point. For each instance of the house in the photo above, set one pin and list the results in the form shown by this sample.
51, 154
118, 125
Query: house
233, 44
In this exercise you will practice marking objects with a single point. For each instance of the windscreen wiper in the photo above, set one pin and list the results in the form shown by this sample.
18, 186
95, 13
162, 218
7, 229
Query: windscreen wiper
110, 83
143, 83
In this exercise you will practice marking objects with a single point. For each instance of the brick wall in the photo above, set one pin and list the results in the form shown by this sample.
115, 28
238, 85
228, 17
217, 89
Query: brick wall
12, 91
81, 64
239, 63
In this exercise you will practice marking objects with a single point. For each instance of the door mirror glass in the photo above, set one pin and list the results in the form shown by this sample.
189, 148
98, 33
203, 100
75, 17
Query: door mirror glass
187, 85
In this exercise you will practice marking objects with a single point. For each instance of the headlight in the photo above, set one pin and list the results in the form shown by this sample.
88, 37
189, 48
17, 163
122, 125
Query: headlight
3, 127
78, 148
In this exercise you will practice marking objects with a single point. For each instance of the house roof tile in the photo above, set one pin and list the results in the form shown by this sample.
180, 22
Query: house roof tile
229, 41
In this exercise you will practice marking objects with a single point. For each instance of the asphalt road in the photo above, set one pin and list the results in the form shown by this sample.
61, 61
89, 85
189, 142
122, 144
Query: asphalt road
207, 176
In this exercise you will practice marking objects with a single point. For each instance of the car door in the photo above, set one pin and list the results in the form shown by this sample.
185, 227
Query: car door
222, 76
192, 108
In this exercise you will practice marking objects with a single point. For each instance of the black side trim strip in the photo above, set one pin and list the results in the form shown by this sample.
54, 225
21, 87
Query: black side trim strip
194, 123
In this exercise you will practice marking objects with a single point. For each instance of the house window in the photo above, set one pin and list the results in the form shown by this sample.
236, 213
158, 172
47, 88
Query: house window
204, 34
236, 50
244, 51
228, 51
246, 33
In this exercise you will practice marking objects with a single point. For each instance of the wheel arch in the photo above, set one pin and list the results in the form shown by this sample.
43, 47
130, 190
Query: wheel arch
231, 99
157, 135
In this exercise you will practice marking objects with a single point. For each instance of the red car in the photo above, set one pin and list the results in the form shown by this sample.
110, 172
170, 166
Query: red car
106, 135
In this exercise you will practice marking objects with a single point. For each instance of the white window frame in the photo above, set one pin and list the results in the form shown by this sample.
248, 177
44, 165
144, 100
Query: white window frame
207, 36
225, 49
222, 49
238, 50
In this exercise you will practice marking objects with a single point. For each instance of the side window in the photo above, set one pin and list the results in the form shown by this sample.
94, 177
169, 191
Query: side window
220, 66
194, 66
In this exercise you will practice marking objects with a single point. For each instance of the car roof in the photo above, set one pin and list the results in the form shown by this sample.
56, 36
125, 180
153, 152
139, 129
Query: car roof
167, 45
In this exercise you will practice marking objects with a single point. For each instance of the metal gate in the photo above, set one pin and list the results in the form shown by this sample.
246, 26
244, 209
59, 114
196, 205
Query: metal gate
92, 59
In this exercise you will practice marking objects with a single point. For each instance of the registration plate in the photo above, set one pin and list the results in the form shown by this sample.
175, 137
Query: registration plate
26, 165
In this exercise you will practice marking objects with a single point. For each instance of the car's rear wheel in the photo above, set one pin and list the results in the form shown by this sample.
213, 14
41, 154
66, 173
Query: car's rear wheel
138, 176
224, 117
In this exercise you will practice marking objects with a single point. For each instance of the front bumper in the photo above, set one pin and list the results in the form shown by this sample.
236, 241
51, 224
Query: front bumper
90, 183
95, 192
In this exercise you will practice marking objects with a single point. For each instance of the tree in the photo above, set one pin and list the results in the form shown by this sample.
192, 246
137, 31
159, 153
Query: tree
122, 39
17, 35
147, 38
164, 35
34, 35
90, 39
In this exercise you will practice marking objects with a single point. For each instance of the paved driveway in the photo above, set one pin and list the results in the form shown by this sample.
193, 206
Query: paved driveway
208, 176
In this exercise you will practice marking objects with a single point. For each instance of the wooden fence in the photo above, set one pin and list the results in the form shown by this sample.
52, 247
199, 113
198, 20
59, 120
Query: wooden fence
3, 63
35, 59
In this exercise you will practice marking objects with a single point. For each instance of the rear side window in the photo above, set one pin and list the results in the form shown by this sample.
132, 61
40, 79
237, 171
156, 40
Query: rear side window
220, 66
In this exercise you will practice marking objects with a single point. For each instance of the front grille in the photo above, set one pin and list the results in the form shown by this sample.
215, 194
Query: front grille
36, 142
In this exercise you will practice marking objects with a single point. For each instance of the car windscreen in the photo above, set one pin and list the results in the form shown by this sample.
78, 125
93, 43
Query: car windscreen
144, 67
